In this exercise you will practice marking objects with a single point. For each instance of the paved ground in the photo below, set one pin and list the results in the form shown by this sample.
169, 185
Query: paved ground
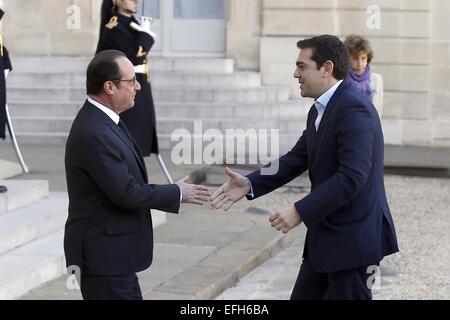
201, 252
421, 270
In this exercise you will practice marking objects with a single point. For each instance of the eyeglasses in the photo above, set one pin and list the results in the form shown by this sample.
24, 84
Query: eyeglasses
131, 82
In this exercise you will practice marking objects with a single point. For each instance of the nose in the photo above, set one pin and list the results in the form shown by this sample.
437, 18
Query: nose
137, 86
296, 74
361, 63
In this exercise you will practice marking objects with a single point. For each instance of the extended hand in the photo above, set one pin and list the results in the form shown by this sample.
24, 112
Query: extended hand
193, 193
230, 192
285, 219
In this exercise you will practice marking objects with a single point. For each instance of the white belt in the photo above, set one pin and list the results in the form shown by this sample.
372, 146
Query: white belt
143, 68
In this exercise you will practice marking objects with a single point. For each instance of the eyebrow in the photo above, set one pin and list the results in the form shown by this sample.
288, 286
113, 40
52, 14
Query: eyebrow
301, 64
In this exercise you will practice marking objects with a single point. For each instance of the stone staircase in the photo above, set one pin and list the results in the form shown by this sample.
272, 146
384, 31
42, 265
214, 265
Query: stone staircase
31, 236
44, 95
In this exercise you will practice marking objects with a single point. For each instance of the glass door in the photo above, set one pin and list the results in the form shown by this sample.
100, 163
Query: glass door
152, 8
188, 27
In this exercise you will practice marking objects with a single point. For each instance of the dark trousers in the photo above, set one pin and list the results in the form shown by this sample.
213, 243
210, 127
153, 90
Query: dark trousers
341, 285
110, 287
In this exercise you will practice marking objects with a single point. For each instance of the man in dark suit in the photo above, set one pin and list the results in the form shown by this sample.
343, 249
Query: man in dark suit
108, 234
349, 225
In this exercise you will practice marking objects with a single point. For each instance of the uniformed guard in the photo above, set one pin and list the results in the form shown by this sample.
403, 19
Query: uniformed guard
5, 64
122, 31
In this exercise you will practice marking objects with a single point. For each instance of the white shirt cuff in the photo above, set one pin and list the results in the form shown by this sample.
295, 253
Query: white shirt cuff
181, 194
250, 194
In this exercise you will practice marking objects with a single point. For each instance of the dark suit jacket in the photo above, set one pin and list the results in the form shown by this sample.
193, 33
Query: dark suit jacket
109, 228
347, 216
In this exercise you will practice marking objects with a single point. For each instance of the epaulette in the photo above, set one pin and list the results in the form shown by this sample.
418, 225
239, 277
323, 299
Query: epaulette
112, 23
141, 53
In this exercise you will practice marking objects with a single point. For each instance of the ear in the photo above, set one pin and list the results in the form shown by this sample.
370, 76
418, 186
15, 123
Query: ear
328, 68
108, 88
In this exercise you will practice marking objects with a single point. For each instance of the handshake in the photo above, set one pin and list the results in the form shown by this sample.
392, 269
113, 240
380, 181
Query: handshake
236, 188
227, 195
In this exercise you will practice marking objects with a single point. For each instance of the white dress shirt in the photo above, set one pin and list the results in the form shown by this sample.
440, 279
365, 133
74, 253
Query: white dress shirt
114, 116
322, 102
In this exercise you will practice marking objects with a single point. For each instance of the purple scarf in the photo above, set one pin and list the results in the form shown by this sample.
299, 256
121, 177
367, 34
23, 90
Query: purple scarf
362, 81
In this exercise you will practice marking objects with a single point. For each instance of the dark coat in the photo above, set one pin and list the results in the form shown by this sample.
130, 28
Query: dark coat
5, 64
109, 227
347, 216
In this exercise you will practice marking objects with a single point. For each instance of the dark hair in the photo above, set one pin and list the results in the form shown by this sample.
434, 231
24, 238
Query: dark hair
102, 68
355, 44
330, 48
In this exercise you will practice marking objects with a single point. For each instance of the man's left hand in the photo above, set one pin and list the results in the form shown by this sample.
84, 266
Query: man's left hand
285, 219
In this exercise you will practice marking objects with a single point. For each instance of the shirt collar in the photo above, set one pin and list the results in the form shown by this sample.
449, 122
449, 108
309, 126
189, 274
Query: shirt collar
114, 116
325, 98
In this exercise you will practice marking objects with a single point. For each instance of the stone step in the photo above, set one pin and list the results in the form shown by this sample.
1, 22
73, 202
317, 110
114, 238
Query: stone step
170, 125
235, 110
22, 193
31, 265
46, 79
183, 94
41, 93
78, 65
201, 110
9, 169
158, 78
43, 108
33, 221
42, 124
42, 138
37, 262
167, 125
287, 140
260, 94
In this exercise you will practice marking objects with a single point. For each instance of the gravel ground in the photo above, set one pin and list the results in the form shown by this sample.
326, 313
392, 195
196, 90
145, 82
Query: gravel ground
421, 270
421, 211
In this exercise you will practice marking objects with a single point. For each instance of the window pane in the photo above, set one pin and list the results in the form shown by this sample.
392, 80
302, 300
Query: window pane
199, 9
150, 8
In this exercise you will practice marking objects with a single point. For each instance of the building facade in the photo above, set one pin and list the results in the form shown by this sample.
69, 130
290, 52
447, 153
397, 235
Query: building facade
410, 38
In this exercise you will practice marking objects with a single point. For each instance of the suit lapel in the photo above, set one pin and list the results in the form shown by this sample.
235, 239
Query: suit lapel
115, 128
330, 106
311, 132
118, 131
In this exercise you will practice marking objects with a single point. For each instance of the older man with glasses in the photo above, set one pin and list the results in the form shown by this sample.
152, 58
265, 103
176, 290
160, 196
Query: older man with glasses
108, 235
